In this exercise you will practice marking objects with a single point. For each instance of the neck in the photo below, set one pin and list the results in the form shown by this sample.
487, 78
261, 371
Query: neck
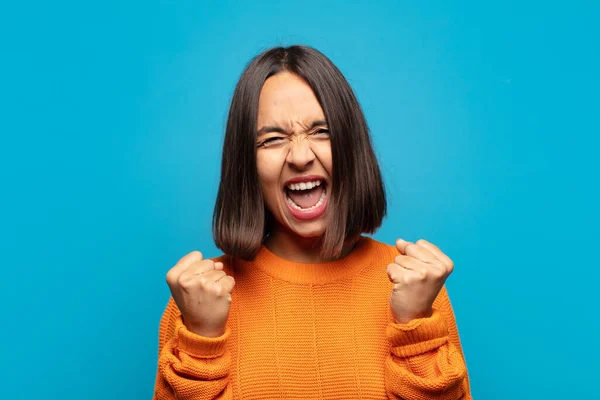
290, 246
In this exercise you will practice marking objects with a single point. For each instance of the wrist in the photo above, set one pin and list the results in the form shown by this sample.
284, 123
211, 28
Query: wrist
405, 319
204, 331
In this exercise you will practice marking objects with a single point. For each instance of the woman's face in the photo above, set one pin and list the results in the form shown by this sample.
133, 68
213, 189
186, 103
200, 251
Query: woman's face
293, 156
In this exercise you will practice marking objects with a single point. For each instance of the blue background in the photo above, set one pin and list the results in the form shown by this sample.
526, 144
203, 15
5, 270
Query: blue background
484, 117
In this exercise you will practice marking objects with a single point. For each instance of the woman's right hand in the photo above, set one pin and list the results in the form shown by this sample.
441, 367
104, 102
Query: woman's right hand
202, 292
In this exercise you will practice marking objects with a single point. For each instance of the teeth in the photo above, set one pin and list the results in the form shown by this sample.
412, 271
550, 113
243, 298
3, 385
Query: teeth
296, 206
304, 185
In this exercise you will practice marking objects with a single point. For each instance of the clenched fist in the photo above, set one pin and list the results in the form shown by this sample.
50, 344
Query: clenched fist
202, 292
418, 274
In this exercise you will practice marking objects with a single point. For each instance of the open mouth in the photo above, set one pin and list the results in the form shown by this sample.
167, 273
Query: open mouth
306, 200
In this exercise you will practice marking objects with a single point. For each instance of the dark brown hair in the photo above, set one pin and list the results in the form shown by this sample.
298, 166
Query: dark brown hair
357, 205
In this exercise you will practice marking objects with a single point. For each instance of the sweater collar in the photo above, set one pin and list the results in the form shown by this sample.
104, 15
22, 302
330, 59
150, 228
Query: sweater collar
315, 273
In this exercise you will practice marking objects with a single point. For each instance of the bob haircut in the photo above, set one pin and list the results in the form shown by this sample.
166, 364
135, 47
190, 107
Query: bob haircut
241, 221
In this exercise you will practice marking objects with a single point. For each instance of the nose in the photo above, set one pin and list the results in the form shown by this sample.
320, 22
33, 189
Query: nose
300, 155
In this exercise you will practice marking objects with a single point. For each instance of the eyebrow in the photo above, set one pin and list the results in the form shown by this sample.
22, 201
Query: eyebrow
278, 129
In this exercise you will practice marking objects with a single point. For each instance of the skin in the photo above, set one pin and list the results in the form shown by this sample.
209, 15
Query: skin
418, 274
292, 142
202, 292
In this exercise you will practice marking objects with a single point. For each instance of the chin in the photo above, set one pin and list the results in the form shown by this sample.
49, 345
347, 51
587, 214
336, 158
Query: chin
309, 233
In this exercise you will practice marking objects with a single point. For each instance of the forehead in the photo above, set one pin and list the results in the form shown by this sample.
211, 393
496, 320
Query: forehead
286, 98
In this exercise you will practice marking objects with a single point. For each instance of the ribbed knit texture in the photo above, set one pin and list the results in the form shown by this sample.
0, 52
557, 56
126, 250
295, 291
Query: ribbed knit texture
314, 331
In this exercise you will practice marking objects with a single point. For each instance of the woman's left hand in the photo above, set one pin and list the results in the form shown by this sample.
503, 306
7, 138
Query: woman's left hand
418, 274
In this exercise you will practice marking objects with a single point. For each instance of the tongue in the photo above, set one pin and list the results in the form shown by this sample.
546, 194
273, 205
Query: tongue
306, 198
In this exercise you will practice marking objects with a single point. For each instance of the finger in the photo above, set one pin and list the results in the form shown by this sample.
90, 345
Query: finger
191, 257
420, 253
417, 251
212, 276
413, 250
203, 267
199, 268
219, 283
407, 262
437, 252
395, 272
399, 275
422, 269
187, 261
219, 265
183, 264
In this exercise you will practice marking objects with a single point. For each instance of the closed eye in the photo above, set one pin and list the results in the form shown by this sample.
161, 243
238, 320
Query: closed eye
272, 141
321, 132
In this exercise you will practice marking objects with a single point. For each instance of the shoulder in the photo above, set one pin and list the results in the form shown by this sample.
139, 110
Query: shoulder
377, 248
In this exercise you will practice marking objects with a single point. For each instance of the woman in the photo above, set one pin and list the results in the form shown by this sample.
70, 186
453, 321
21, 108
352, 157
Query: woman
318, 311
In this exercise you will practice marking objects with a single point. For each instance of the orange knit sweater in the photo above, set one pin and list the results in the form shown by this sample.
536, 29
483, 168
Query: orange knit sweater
314, 331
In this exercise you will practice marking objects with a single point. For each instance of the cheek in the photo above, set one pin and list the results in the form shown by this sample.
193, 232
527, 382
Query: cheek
323, 152
268, 166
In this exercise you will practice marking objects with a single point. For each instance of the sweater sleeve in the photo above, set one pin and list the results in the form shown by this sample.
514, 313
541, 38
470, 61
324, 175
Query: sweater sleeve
426, 359
190, 366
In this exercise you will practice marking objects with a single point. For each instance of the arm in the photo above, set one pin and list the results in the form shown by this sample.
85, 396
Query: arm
190, 366
426, 360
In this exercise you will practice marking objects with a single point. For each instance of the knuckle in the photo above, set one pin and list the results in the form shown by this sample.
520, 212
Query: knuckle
217, 290
438, 274
444, 273
440, 266
184, 282
421, 241
181, 278
202, 282
171, 277
450, 266
188, 282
